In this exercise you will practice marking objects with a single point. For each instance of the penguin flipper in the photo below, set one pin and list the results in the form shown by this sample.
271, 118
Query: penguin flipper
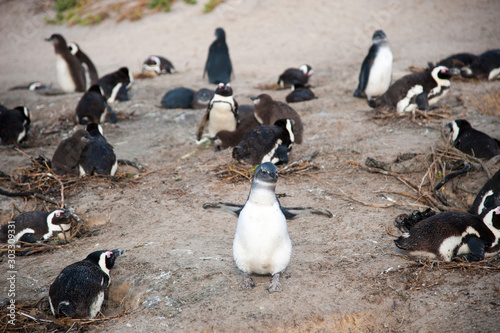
291, 213
112, 114
423, 101
202, 125
66, 308
364, 74
226, 207
476, 246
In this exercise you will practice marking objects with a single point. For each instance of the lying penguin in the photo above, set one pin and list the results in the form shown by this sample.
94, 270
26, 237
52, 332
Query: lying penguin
79, 290
299, 93
14, 124
36, 226
157, 65
471, 141
450, 234
261, 242
299, 75
485, 66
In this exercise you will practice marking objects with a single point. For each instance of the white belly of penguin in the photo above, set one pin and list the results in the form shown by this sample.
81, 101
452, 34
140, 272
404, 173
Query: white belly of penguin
95, 307
221, 118
63, 75
262, 244
380, 73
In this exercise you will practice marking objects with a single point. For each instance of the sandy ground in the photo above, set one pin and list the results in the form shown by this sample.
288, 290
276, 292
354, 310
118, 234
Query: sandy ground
177, 273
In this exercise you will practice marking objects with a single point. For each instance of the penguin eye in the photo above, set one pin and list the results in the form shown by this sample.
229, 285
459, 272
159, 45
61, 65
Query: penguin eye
58, 214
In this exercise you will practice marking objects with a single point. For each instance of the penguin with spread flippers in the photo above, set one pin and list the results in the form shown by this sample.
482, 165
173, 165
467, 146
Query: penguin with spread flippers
218, 65
80, 289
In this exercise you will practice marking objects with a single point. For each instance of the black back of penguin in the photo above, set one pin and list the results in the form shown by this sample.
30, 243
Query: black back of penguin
178, 98
295, 76
218, 65
115, 85
79, 290
92, 106
471, 141
299, 93
98, 156
14, 124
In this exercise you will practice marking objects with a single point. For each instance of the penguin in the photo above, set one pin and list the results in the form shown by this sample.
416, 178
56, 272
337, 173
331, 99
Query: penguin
98, 156
158, 65
451, 234
299, 93
456, 63
36, 226
70, 72
376, 70
178, 98
247, 122
91, 75
416, 90
488, 197
221, 114
266, 143
267, 112
92, 107
80, 289
202, 98
471, 141
116, 84
218, 65
299, 75
67, 154
32, 86
14, 124
486, 66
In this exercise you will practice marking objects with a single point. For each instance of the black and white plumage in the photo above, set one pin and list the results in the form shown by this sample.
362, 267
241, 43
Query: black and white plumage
485, 66
66, 158
471, 141
32, 86
299, 93
93, 108
261, 243
218, 65
98, 156
488, 197
376, 70
36, 226
158, 65
451, 234
221, 114
267, 111
70, 72
14, 124
266, 143
456, 63
91, 75
299, 75
417, 90
80, 289
116, 84
247, 122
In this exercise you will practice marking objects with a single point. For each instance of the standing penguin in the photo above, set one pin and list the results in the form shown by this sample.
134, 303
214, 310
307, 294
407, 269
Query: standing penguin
70, 72
92, 107
451, 234
267, 111
79, 290
218, 65
471, 141
36, 226
14, 124
158, 65
292, 76
417, 90
376, 69
266, 143
221, 114
488, 197
91, 75
98, 156
67, 154
116, 84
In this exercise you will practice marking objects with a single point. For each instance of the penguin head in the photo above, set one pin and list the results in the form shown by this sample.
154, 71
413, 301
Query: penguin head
224, 90
104, 259
36, 85
220, 34
25, 113
306, 69
94, 129
456, 127
492, 218
379, 36
261, 99
73, 48
266, 173
59, 216
441, 73
127, 77
57, 40
152, 64
203, 96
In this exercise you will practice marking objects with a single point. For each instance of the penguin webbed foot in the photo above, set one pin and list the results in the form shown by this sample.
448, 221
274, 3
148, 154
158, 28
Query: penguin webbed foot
247, 283
112, 114
275, 285
359, 94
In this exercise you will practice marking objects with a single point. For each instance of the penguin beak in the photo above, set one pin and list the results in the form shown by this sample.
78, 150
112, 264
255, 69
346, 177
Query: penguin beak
118, 252
50, 39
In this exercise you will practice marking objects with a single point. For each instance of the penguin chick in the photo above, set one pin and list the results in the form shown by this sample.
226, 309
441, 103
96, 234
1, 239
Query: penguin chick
70, 72
116, 84
67, 154
98, 156
267, 112
79, 290
299, 93
91, 75
14, 124
266, 143
36, 226
417, 90
158, 65
221, 114
450, 234
218, 65
471, 141
247, 122
202, 98
376, 70
299, 75
92, 107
